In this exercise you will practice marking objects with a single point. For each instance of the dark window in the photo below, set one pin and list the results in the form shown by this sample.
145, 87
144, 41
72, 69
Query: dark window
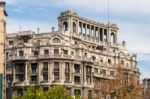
36, 53
77, 92
56, 51
67, 77
56, 76
33, 68
11, 42
46, 51
67, 68
77, 80
77, 68
103, 72
21, 53
65, 52
65, 26
20, 92
112, 73
109, 61
56, 66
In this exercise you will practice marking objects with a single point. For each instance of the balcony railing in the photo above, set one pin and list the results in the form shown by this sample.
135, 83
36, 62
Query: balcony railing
20, 73
19, 58
34, 72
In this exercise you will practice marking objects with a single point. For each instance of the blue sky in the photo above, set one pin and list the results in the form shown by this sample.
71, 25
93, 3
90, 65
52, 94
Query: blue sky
132, 17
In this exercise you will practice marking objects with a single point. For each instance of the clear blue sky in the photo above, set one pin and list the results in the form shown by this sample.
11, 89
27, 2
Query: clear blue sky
132, 17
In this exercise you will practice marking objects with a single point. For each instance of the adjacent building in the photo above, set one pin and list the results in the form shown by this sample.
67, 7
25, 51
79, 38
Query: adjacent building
3, 16
146, 85
77, 55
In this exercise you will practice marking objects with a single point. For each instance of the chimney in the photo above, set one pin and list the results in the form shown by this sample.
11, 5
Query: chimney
38, 30
53, 29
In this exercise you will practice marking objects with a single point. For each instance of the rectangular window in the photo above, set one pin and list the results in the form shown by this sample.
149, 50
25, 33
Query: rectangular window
103, 72
67, 77
112, 73
11, 42
56, 76
95, 70
56, 66
77, 68
65, 52
67, 68
46, 51
56, 51
36, 53
33, 68
21, 53
77, 80
77, 92
45, 77
45, 65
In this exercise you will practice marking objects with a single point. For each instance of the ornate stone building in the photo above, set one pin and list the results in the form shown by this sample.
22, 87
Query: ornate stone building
78, 54
3, 16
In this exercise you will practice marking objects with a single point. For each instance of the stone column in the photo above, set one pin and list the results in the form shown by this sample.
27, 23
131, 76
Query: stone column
85, 82
98, 34
81, 28
85, 30
115, 38
90, 31
26, 72
94, 33
77, 27
51, 71
40, 66
103, 34
108, 34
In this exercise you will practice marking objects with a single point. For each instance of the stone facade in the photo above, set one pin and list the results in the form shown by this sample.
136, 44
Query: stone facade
146, 85
79, 53
2, 48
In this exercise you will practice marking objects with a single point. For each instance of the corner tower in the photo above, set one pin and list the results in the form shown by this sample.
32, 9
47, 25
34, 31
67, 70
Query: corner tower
3, 16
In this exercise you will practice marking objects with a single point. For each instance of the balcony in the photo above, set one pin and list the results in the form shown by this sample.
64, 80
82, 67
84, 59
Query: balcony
68, 83
34, 72
85, 59
19, 84
33, 57
45, 83
34, 82
45, 56
45, 70
20, 72
57, 82
19, 58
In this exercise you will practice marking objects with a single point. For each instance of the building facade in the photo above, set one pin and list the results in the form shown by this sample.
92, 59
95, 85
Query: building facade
146, 85
78, 54
3, 16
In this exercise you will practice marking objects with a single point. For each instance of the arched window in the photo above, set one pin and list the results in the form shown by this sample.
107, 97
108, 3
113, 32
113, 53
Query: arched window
113, 38
65, 26
56, 40
74, 27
